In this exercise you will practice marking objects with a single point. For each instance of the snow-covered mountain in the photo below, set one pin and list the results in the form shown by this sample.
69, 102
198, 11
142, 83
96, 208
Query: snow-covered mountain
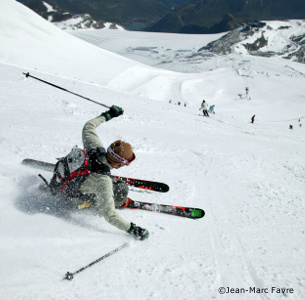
67, 20
249, 178
285, 39
281, 39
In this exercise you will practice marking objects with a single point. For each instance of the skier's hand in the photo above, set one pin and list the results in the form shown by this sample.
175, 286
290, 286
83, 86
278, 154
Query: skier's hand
113, 112
139, 232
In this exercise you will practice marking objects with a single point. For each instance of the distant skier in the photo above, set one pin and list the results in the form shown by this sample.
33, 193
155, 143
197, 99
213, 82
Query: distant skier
204, 108
97, 187
252, 119
290, 127
247, 92
211, 109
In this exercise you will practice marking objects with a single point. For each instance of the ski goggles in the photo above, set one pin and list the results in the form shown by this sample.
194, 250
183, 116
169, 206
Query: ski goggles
121, 159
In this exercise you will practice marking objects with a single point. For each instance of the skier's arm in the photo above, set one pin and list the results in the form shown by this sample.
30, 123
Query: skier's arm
89, 135
105, 204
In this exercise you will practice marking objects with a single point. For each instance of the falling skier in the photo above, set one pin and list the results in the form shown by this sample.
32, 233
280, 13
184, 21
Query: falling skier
92, 182
204, 108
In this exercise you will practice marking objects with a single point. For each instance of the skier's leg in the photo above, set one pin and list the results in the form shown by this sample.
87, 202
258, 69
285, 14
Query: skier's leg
120, 192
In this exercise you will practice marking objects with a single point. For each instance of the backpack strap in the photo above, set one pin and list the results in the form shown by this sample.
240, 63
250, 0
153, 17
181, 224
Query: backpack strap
56, 180
96, 156
66, 167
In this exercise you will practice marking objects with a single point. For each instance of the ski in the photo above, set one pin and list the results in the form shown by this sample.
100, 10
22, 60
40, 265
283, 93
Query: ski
38, 164
137, 183
145, 184
181, 211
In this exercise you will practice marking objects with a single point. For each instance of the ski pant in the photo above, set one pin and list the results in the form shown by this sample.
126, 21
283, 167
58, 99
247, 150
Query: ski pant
205, 113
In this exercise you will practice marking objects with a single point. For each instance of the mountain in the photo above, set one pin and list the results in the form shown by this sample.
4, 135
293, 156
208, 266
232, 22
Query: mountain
285, 39
207, 16
124, 12
62, 18
181, 16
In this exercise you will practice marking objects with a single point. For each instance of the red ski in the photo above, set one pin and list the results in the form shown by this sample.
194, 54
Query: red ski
138, 183
181, 211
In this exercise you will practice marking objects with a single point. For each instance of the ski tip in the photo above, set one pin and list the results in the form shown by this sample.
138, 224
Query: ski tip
197, 213
162, 188
25, 161
165, 188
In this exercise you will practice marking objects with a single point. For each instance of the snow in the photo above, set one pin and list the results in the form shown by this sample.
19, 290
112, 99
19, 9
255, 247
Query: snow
156, 49
278, 34
249, 178
109, 25
48, 6
77, 22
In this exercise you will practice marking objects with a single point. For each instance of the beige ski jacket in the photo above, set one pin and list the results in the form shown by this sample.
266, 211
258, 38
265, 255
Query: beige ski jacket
100, 184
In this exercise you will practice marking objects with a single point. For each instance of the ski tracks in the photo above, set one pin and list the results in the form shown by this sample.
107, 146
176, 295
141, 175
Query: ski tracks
232, 256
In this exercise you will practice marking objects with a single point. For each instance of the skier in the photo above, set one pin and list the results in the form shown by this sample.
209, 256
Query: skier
204, 108
252, 119
211, 109
247, 92
98, 185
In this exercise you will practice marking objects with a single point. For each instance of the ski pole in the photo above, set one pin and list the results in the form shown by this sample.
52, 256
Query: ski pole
69, 276
61, 88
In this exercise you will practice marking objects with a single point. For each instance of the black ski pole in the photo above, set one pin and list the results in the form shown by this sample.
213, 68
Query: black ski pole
49, 83
69, 276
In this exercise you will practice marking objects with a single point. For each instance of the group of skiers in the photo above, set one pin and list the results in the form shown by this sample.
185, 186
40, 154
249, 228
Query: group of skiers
178, 103
291, 126
204, 107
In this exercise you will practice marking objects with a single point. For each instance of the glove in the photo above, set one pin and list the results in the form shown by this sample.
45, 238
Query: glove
139, 232
113, 112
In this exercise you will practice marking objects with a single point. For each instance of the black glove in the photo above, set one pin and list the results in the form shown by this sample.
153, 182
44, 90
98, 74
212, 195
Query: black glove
113, 112
139, 232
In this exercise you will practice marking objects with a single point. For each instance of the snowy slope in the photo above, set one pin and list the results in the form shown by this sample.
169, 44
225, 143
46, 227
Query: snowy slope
249, 178
38, 42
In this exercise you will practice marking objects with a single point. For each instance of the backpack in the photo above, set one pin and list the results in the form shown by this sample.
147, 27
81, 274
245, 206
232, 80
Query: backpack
69, 173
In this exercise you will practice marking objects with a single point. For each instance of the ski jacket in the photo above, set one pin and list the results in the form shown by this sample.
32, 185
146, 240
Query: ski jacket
100, 184
204, 106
